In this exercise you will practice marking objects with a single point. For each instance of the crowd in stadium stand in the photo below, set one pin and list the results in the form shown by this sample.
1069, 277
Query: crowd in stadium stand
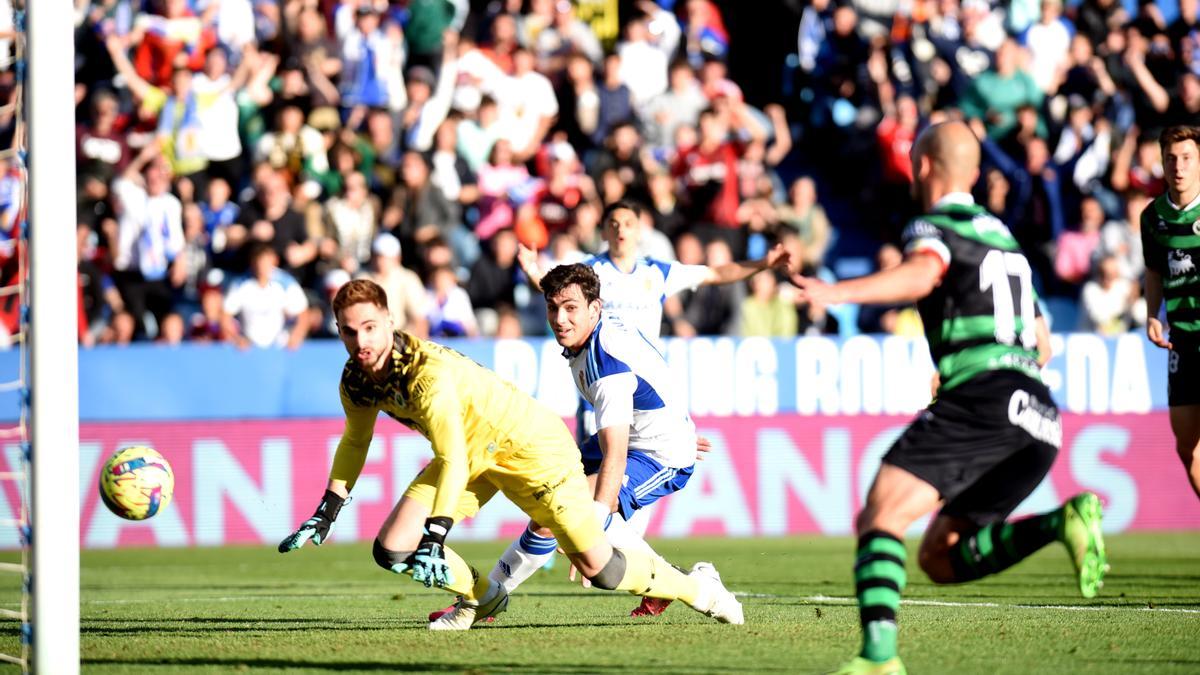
239, 160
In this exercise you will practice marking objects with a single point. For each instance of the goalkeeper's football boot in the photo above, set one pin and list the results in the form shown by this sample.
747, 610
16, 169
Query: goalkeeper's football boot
651, 607
1080, 533
467, 613
861, 666
721, 604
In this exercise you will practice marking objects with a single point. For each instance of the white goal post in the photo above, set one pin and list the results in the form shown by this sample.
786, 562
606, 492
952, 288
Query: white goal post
53, 339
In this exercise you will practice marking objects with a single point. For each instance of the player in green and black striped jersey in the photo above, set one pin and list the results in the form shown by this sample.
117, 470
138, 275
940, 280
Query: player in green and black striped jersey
1171, 245
992, 434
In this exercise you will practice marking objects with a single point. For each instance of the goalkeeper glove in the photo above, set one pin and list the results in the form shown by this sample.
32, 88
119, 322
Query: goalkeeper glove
316, 528
429, 561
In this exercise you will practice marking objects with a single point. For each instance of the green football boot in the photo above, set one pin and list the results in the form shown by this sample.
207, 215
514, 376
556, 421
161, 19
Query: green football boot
861, 666
1080, 533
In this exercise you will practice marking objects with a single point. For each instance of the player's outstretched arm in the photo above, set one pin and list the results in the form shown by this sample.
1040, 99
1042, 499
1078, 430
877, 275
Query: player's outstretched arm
909, 281
728, 273
317, 528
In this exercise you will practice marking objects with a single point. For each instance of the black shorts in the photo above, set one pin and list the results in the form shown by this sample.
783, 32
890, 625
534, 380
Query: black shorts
985, 445
1183, 375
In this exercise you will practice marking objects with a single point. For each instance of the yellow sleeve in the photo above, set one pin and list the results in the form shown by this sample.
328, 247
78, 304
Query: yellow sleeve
443, 420
356, 440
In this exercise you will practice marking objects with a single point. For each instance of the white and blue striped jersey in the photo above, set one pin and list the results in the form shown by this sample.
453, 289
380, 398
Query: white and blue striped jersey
636, 298
624, 376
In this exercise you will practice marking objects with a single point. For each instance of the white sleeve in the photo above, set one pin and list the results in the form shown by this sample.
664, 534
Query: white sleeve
613, 395
682, 277
295, 302
233, 299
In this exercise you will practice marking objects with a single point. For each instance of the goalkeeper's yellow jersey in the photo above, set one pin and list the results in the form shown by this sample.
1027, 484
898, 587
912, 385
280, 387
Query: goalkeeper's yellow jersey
471, 416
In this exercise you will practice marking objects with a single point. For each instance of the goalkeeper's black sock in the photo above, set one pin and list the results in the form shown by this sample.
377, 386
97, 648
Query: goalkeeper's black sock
998, 546
879, 577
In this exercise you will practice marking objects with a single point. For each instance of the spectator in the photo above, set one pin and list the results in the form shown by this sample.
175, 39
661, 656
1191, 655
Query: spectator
527, 106
295, 147
996, 95
1122, 238
205, 325
1073, 259
263, 302
711, 309
804, 215
101, 149
353, 221
765, 313
1048, 41
494, 280
680, 104
270, 218
451, 173
500, 181
372, 61
219, 213
150, 236
579, 103
450, 311
179, 132
565, 35
99, 297
429, 98
407, 302
650, 41
1110, 301
709, 173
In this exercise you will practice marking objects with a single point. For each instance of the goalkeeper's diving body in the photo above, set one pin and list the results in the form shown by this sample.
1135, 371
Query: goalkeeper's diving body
487, 436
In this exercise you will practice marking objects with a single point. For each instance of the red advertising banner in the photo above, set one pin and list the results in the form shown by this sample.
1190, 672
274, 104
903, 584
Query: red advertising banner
252, 482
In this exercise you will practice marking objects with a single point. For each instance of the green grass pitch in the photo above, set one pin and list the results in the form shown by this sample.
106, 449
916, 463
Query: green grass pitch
331, 609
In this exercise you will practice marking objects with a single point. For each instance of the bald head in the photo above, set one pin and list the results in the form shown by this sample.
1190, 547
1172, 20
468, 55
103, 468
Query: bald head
945, 159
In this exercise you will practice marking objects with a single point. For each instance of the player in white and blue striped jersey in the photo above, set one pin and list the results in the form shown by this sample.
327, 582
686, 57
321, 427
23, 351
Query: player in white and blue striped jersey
645, 446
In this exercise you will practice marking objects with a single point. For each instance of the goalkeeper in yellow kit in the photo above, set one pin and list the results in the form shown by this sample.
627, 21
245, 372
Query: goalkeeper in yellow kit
487, 436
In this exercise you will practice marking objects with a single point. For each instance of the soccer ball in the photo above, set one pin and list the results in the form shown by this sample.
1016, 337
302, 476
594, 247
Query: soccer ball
136, 483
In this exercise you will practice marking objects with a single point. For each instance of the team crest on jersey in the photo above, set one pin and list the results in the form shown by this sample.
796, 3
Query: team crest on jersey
1196, 228
1179, 262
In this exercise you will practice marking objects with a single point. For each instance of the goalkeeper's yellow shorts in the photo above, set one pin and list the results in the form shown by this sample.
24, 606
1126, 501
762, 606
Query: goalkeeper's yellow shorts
544, 478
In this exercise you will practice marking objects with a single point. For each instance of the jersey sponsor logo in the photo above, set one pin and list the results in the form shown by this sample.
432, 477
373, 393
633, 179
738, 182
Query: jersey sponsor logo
921, 228
1039, 419
1179, 262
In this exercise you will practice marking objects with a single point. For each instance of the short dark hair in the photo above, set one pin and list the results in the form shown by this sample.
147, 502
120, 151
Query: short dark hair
629, 204
359, 290
1177, 134
578, 274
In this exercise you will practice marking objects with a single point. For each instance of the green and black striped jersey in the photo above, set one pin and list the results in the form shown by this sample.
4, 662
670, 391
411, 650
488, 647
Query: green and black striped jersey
1171, 245
982, 317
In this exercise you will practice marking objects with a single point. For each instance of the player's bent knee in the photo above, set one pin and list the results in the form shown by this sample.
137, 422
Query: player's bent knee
392, 561
610, 576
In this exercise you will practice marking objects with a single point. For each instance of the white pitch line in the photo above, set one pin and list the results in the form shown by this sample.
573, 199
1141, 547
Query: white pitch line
842, 600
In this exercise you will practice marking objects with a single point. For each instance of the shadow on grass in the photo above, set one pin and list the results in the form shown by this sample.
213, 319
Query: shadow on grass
474, 667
